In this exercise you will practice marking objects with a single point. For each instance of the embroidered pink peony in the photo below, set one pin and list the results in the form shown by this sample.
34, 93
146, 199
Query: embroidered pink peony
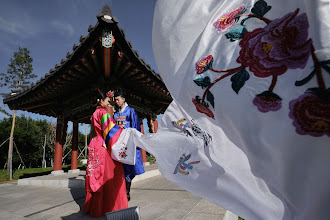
279, 46
227, 19
202, 109
268, 101
311, 115
204, 64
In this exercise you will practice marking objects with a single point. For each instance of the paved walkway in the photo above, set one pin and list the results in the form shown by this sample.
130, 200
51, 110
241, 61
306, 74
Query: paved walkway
158, 199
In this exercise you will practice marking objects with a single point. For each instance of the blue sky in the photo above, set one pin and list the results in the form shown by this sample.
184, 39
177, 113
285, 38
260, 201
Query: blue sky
48, 29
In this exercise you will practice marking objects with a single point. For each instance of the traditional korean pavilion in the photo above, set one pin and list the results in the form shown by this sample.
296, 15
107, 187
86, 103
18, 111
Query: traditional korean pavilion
102, 60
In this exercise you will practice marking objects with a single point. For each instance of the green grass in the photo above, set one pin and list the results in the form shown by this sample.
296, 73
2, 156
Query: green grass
31, 172
151, 159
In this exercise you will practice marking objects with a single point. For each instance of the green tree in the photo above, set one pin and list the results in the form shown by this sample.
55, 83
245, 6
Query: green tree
18, 76
5, 125
4, 111
29, 139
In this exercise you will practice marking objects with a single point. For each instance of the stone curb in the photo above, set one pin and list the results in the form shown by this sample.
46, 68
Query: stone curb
146, 175
67, 180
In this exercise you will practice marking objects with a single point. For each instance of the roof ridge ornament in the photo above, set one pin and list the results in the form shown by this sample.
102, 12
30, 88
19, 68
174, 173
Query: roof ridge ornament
107, 38
106, 12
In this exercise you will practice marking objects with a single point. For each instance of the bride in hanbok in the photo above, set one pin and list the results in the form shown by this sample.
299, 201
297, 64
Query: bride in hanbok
105, 180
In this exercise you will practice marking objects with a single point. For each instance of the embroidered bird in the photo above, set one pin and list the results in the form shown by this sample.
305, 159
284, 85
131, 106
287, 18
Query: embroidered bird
182, 166
181, 126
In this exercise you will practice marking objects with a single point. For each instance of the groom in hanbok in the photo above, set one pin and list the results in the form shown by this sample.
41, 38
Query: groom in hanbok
126, 117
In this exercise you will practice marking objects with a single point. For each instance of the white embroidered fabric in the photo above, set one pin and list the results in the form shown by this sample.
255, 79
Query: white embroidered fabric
249, 125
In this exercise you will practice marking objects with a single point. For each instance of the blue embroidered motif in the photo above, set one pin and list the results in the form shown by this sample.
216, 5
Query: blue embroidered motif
182, 166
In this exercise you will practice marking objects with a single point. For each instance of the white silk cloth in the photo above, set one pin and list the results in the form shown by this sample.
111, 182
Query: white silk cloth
260, 144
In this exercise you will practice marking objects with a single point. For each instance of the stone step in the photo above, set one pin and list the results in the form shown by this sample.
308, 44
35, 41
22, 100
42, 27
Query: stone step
77, 179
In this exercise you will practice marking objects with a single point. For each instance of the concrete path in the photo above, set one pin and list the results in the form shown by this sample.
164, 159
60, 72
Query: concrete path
158, 199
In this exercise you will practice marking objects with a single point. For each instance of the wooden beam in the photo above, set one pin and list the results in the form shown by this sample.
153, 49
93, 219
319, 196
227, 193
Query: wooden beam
80, 119
107, 61
36, 106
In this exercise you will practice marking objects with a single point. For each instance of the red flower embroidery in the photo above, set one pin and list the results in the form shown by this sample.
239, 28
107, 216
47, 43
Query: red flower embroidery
311, 115
279, 46
122, 154
227, 19
204, 64
202, 109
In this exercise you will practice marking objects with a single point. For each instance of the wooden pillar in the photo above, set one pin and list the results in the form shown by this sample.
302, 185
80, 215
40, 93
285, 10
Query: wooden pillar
143, 152
107, 62
155, 123
74, 152
58, 154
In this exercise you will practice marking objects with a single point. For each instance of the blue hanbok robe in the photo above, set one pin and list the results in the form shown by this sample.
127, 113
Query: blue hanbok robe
128, 118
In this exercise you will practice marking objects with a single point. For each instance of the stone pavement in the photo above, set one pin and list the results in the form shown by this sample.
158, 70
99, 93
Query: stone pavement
157, 197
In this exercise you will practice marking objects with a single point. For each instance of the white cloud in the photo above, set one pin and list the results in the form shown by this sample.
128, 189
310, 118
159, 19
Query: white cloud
22, 27
10, 26
63, 27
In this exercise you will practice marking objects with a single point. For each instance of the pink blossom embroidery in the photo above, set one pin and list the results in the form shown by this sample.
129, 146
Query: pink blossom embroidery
122, 153
204, 64
227, 19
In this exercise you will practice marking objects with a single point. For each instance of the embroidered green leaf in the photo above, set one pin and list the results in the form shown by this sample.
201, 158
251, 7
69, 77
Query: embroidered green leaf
236, 34
198, 99
210, 98
238, 79
305, 80
323, 94
203, 82
325, 65
260, 8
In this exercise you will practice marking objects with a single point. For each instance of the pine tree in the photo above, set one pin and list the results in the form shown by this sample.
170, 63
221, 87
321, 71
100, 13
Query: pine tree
19, 72
18, 76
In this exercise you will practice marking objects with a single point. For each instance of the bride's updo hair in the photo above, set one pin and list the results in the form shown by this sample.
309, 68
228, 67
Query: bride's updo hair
103, 96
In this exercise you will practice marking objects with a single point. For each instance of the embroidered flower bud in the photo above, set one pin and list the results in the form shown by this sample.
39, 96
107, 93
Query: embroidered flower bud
202, 109
267, 101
